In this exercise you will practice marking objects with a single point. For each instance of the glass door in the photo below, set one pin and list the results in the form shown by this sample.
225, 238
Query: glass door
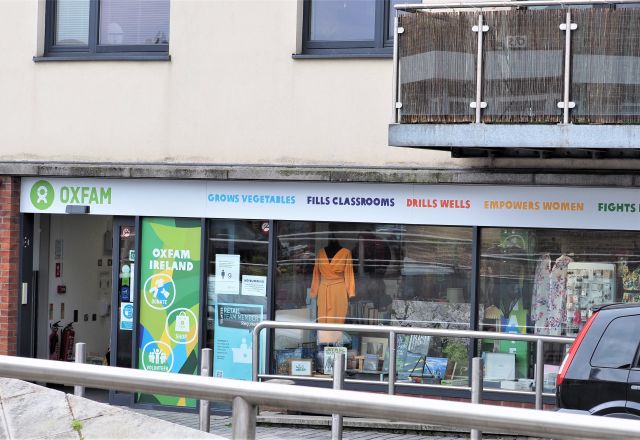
122, 302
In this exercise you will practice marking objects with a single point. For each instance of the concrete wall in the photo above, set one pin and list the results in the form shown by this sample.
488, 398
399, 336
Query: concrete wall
82, 246
231, 94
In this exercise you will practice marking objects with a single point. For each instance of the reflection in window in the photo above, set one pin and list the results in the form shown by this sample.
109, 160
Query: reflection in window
618, 345
237, 267
356, 273
545, 281
134, 22
342, 20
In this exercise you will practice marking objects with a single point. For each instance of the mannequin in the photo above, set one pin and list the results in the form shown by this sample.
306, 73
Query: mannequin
332, 248
333, 284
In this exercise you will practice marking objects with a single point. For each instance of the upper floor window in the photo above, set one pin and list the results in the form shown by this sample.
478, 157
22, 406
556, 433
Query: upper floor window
335, 27
92, 27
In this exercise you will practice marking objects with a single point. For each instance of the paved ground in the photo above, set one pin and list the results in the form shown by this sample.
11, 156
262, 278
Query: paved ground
29, 411
221, 426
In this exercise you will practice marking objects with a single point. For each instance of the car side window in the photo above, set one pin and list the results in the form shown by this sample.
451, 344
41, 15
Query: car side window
617, 346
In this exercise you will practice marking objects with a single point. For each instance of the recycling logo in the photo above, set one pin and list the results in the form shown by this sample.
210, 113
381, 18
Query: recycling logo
42, 195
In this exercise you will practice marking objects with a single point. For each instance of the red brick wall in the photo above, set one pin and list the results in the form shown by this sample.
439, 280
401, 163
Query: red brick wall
9, 262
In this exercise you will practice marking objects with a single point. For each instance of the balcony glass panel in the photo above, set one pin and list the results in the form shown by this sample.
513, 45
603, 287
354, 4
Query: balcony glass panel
523, 66
605, 78
437, 53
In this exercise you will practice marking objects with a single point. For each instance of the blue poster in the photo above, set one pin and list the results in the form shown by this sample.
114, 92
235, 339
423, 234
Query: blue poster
233, 339
126, 316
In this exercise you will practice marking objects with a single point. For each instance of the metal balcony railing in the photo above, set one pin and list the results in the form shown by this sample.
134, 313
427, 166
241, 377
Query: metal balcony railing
518, 62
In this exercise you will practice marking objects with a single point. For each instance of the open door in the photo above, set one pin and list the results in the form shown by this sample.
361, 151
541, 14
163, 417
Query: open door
122, 302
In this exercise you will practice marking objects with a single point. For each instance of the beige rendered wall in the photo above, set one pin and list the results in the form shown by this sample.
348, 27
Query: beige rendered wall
231, 94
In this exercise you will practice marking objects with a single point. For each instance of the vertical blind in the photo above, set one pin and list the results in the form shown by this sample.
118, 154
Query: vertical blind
72, 22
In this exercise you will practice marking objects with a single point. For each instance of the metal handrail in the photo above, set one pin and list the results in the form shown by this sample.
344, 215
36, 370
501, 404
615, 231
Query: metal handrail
392, 331
503, 3
247, 395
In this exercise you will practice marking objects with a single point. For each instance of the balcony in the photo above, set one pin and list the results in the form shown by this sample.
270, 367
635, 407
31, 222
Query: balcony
518, 79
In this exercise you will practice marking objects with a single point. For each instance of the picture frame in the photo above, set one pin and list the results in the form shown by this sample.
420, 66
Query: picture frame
371, 362
374, 345
499, 366
329, 355
300, 367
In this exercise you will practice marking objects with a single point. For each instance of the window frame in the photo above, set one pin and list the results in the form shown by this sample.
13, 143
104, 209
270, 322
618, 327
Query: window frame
382, 43
93, 48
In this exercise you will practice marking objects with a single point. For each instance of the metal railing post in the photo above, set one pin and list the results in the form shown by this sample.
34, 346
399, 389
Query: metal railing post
338, 383
566, 104
478, 104
477, 374
539, 379
255, 354
392, 362
205, 370
243, 420
81, 358
396, 70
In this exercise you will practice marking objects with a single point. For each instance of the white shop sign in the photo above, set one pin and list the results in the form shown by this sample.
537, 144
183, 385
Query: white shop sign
509, 206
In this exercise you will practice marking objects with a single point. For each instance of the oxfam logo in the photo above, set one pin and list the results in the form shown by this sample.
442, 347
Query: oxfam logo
42, 194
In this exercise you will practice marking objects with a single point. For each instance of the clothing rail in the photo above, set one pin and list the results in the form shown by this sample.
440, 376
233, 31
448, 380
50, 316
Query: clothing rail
245, 396
392, 332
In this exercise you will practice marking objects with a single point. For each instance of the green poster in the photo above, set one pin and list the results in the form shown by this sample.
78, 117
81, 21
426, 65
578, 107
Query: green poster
169, 301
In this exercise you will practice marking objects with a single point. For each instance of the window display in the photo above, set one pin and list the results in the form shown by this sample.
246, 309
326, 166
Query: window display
236, 292
546, 281
588, 285
377, 274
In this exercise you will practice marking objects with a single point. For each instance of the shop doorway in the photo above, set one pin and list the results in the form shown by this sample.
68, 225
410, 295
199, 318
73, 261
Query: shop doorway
122, 333
83, 277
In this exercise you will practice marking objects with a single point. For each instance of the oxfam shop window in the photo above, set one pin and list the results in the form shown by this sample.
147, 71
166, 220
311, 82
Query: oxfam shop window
381, 274
545, 281
237, 287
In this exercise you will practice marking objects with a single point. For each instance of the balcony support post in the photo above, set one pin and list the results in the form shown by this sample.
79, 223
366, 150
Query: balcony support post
396, 70
478, 104
566, 104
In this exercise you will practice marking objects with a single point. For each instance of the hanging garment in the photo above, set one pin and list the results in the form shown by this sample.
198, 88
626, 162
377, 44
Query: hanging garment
558, 295
540, 312
333, 284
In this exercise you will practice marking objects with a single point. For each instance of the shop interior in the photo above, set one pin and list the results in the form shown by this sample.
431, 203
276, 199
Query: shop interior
378, 274
74, 272
536, 281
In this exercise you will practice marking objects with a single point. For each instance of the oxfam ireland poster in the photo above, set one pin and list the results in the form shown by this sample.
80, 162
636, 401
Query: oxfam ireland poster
169, 301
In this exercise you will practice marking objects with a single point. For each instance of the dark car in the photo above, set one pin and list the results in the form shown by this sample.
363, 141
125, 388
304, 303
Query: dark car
600, 374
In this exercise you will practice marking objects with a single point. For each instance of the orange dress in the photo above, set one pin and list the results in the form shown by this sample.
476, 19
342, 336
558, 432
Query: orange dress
333, 284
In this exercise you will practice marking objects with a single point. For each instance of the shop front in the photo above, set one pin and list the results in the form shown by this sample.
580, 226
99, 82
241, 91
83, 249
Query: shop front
195, 264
